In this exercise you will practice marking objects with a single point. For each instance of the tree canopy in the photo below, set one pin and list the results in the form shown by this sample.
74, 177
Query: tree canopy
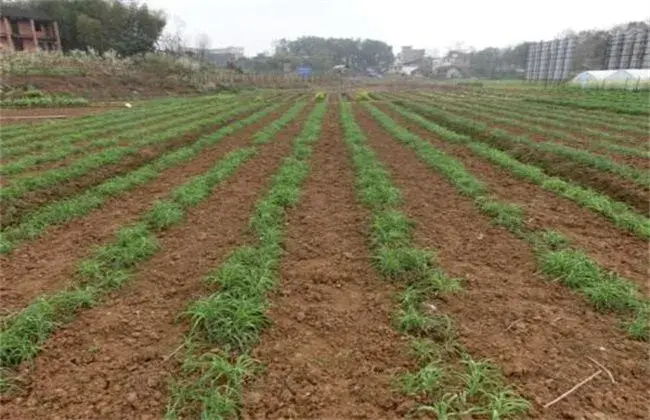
126, 27
324, 53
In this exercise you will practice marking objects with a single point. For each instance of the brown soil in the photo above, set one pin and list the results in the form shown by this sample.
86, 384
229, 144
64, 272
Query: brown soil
613, 248
538, 332
613, 185
46, 264
113, 360
629, 138
104, 87
39, 115
583, 142
331, 352
12, 209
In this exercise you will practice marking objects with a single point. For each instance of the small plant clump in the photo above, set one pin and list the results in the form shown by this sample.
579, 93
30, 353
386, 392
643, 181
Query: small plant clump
320, 96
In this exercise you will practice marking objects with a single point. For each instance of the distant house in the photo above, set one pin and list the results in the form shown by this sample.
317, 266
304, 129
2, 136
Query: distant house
454, 65
408, 61
26, 29
220, 57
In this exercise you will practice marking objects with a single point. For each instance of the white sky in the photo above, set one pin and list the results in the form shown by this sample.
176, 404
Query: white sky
431, 24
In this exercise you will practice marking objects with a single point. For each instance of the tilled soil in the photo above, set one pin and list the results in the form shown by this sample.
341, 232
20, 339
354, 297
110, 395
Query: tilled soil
114, 361
613, 248
331, 352
617, 187
12, 209
539, 333
45, 264
582, 142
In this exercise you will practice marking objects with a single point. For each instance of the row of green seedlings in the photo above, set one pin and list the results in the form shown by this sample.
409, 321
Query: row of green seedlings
449, 381
599, 162
503, 113
21, 135
134, 122
611, 121
596, 104
156, 118
64, 147
616, 131
529, 96
226, 325
536, 121
621, 213
44, 102
614, 97
179, 127
627, 120
606, 291
32, 225
112, 265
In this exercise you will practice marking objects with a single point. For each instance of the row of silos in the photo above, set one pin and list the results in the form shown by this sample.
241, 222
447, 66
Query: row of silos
629, 50
550, 60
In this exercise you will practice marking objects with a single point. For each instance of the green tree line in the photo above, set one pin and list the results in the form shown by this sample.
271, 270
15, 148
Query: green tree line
322, 54
126, 27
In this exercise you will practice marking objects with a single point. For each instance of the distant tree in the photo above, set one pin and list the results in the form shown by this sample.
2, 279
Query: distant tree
325, 53
102, 25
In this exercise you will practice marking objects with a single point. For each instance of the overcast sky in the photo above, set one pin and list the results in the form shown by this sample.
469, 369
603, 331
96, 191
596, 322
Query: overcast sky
430, 24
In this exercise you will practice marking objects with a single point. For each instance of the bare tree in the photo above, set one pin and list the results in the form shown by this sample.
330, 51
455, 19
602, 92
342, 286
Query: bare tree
173, 42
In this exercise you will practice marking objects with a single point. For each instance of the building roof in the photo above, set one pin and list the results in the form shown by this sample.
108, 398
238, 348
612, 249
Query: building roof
20, 11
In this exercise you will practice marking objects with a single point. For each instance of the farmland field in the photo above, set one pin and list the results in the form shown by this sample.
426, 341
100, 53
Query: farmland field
440, 253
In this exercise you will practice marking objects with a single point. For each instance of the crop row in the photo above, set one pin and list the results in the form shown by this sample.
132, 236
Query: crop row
33, 224
173, 130
579, 165
232, 319
448, 379
111, 266
120, 129
18, 134
620, 214
622, 119
602, 163
514, 119
64, 147
616, 130
598, 104
606, 291
545, 123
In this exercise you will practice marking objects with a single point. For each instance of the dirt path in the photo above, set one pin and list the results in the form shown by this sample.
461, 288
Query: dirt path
12, 209
46, 264
111, 362
331, 351
613, 248
538, 332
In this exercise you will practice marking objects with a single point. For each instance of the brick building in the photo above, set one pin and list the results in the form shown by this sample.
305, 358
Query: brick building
23, 29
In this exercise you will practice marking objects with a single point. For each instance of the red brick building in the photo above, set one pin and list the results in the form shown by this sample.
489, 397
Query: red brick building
24, 29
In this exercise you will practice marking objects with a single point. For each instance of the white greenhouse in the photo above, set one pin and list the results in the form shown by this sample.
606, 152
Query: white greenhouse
630, 78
